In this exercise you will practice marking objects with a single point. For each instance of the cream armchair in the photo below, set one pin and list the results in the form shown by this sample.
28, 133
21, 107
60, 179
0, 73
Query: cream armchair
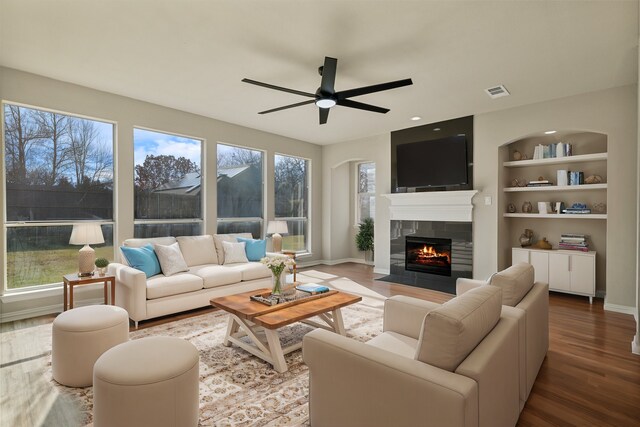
527, 302
450, 365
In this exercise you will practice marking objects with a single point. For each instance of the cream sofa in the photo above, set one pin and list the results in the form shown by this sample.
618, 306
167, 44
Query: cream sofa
434, 365
208, 277
527, 302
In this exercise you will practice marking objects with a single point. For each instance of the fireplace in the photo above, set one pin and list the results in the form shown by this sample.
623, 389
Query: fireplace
428, 255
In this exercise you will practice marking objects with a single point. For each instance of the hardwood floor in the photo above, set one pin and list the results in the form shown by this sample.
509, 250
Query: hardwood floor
589, 378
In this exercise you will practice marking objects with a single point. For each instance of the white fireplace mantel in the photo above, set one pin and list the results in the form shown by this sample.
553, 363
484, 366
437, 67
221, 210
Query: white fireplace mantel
432, 206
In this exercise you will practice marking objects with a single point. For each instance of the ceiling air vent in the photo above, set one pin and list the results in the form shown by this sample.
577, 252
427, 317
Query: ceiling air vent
497, 91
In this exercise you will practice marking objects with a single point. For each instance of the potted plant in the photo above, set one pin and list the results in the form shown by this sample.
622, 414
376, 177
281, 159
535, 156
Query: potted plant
364, 238
101, 265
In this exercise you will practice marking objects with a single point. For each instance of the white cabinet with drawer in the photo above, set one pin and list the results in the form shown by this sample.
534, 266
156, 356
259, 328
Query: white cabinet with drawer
565, 271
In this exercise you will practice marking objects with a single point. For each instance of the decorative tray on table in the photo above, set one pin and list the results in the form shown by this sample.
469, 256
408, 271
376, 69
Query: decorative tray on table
290, 299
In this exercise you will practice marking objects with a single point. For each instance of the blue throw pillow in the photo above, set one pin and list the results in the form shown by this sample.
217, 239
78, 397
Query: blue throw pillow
143, 259
255, 249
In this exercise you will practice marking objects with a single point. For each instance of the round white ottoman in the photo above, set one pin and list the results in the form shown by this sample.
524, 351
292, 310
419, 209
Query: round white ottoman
147, 382
80, 336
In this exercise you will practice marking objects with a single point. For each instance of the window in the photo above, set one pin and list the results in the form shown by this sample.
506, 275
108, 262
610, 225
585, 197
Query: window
58, 170
366, 203
292, 200
167, 184
240, 188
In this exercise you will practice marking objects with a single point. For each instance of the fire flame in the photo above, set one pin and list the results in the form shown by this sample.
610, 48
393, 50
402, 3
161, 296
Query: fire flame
430, 252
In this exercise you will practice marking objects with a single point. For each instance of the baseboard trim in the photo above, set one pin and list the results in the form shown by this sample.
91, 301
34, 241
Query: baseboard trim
620, 309
635, 345
42, 311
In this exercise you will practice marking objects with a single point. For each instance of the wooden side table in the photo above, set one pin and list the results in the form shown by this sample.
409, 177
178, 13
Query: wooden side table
71, 280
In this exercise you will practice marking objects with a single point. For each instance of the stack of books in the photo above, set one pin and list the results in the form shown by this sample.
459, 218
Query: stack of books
540, 183
574, 242
561, 149
577, 208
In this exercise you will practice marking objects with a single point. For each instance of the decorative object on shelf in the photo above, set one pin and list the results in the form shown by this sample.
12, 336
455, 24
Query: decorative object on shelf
540, 182
593, 179
526, 237
599, 208
511, 208
559, 207
364, 238
277, 266
542, 244
517, 155
544, 207
101, 265
562, 177
86, 233
518, 182
577, 208
276, 229
574, 242
527, 207
576, 178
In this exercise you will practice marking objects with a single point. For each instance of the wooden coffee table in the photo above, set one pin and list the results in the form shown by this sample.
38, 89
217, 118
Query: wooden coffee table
260, 322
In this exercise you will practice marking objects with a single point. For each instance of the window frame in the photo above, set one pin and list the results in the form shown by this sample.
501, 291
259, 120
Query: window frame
27, 290
308, 219
358, 211
261, 220
203, 181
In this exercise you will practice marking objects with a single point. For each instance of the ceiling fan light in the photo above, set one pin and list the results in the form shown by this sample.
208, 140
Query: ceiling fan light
325, 102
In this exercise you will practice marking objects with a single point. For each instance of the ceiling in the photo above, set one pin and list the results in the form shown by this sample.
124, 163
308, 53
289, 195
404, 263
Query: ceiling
192, 54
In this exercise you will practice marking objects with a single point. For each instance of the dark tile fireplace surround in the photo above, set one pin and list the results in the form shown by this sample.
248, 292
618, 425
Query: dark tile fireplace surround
431, 254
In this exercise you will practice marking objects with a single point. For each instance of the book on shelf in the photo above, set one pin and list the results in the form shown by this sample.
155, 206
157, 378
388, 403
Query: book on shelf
312, 288
576, 211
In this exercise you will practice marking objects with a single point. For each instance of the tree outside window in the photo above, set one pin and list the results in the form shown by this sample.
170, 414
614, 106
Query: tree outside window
167, 186
240, 190
58, 169
292, 200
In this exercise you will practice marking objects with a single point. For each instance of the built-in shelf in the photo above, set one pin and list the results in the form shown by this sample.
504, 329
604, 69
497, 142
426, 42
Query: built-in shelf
582, 187
555, 216
557, 160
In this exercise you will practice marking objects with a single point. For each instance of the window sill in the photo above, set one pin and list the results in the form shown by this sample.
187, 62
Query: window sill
49, 292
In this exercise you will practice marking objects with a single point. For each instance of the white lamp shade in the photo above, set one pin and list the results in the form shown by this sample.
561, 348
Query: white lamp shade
88, 233
279, 227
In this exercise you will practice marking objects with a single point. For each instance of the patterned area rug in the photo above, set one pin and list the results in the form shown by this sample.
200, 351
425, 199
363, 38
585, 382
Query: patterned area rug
237, 388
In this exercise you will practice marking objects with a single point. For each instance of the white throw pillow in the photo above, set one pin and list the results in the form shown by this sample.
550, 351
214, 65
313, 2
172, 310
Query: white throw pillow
171, 259
198, 250
234, 252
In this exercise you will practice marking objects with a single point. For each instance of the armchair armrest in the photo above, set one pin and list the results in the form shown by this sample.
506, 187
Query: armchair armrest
131, 290
404, 315
464, 285
354, 384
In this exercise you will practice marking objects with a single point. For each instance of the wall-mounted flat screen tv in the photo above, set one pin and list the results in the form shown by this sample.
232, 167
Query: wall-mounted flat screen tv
435, 163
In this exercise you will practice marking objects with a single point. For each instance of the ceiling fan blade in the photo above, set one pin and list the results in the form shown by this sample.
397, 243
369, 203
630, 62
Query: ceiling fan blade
283, 89
362, 106
328, 75
371, 89
297, 104
324, 115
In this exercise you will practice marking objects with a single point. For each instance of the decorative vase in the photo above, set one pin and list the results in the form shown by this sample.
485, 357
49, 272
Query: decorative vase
102, 271
277, 284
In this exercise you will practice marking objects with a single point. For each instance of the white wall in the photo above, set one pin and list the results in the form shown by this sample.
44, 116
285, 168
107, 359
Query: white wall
372, 149
30, 89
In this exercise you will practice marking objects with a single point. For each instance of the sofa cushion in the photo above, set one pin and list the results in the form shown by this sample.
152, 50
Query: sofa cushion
234, 252
219, 238
515, 282
198, 250
250, 270
451, 331
171, 259
163, 286
255, 249
399, 344
143, 258
216, 275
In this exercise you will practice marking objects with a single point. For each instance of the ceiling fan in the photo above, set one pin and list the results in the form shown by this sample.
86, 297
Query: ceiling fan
326, 96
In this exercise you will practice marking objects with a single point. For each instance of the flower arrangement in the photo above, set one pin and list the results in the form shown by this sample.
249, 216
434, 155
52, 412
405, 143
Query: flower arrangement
277, 266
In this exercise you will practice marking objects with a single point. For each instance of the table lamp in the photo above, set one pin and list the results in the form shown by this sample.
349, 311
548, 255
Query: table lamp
275, 228
86, 234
